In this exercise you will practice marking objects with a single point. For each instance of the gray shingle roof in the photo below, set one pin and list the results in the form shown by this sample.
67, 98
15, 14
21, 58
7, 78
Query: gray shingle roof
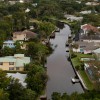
87, 45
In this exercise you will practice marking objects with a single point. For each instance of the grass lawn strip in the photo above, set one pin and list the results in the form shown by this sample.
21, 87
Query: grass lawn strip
86, 80
76, 62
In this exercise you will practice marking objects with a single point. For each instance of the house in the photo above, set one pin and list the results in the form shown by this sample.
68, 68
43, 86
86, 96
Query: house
12, 2
87, 27
86, 12
92, 3
19, 76
89, 71
23, 35
92, 70
85, 47
97, 52
73, 18
14, 63
8, 43
89, 33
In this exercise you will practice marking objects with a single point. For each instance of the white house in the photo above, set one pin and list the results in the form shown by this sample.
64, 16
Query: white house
73, 18
19, 76
86, 12
8, 43
92, 3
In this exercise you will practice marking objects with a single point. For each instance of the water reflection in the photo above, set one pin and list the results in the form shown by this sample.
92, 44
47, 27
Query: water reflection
59, 68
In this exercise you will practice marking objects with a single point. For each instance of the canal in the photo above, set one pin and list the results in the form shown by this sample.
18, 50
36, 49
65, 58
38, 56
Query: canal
59, 69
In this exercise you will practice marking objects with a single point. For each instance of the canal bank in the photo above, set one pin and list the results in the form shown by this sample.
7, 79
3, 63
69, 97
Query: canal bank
59, 69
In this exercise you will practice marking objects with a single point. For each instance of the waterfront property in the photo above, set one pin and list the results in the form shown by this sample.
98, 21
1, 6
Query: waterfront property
73, 18
8, 43
89, 33
92, 70
14, 63
23, 35
85, 47
59, 69
97, 53
78, 64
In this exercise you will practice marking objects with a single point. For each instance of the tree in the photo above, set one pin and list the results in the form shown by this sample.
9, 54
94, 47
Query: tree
17, 48
4, 80
6, 51
29, 94
75, 46
36, 78
2, 37
45, 29
75, 96
37, 51
4, 95
65, 96
42, 51
31, 50
56, 96
16, 90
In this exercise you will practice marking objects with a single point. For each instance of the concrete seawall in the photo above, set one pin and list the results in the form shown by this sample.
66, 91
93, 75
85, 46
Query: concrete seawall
78, 75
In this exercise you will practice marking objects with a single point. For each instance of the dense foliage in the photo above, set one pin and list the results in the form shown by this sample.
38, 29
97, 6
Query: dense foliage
92, 95
44, 17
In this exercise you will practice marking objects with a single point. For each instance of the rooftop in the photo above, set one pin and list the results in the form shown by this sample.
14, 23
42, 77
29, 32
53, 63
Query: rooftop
18, 59
20, 77
87, 45
29, 34
9, 41
89, 27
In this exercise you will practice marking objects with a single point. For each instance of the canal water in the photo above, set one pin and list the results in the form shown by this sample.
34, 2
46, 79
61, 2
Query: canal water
59, 69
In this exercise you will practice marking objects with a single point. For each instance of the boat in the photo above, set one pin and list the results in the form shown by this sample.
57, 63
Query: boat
75, 80
67, 44
67, 50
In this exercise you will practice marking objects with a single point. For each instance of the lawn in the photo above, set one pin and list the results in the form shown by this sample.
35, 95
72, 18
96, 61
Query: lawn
83, 55
76, 62
86, 80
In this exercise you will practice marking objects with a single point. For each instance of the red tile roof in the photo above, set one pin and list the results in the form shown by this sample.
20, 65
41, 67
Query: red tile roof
89, 27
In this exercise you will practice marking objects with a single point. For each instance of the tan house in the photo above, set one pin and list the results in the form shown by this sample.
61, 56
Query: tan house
14, 63
23, 35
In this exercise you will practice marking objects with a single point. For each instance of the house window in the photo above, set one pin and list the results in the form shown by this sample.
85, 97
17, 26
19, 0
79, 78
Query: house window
17, 68
11, 63
11, 68
1, 63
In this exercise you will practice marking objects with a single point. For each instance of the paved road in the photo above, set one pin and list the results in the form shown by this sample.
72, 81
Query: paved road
59, 68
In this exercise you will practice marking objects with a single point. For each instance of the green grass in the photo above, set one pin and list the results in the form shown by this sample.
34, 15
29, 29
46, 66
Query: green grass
76, 60
86, 80
83, 55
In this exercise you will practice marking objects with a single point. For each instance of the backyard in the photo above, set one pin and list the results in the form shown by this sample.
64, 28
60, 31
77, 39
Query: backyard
76, 62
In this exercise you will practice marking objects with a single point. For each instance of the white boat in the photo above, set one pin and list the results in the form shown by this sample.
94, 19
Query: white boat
74, 80
67, 49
